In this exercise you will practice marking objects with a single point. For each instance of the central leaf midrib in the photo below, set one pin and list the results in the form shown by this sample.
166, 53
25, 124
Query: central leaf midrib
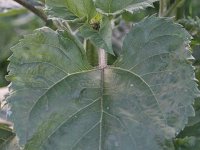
34, 104
101, 98
101, 117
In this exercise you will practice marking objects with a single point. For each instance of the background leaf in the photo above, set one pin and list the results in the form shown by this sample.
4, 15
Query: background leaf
8, 140
13, 25
118, 6
8, 4
70, 9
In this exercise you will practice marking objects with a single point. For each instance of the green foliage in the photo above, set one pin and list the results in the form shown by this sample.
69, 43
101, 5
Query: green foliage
8, 140
193, 26
60, 102
45, 57
113, 7
63, 96
70, 9
13, 25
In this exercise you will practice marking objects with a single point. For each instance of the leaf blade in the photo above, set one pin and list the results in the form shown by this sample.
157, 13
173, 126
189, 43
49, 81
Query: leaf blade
156, 49
113, 7
87, 119
70, 9
45, 52
110, 108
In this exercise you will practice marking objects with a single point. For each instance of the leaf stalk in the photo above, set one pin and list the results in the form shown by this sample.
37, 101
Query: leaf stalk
34, 10
102, 58
162, 7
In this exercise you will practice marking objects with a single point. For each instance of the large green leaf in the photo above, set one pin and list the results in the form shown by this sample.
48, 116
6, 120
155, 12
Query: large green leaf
156, 50
118, 6
139, 103
8, 140
39, 61
70, 9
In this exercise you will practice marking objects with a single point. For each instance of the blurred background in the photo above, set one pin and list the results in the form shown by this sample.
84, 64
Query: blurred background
16, 21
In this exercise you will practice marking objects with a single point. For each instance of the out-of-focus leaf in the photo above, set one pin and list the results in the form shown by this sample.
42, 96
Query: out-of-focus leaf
8, 4
70, 9
4, 108
194, 8
8, 140
12, 27
192, 25
37, 2
113, 7
196, 54
12, 12
187, 143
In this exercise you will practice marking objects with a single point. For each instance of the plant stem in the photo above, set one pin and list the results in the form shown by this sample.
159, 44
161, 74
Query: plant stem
174, 7
102, 59
162, 7
30, 7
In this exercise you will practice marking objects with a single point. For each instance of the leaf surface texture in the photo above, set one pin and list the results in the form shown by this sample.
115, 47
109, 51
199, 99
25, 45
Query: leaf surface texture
140, 102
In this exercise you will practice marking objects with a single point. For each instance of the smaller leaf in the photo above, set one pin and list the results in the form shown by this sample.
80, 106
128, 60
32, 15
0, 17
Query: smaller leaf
118, 6
101, 38
92, 53
187, 143
70, 9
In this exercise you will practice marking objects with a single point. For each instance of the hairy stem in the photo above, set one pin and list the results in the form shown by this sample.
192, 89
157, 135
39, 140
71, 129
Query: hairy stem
30, 7
162, 8
102, 58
